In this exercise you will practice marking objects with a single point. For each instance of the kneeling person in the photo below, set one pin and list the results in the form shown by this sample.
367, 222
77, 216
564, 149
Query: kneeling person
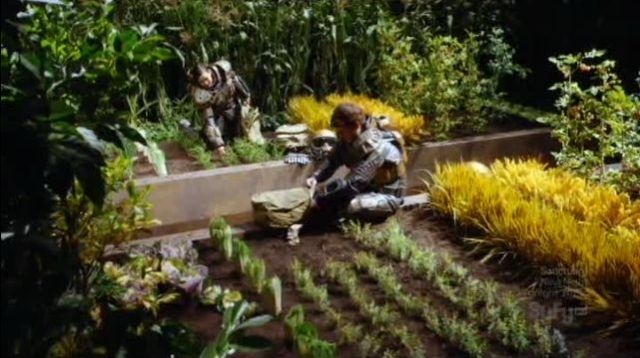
374, 187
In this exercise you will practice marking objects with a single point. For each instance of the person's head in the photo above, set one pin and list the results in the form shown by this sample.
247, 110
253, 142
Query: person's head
322, 143
202, 76
348, 120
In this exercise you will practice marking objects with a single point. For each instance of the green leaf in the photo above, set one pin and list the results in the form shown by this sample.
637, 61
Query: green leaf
91, 138
90, 177
132, 134
255, 322
126, 41
210, 351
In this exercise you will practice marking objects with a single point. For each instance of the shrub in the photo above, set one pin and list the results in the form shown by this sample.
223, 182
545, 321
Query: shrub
597, 121
447, 83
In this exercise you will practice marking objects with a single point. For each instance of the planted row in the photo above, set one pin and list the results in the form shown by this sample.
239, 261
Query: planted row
383, 316
370, 344
253, 267
450, 328
304, 336
504, 319
606, 261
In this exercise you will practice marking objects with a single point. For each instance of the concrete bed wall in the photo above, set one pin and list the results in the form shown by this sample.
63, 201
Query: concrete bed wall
187, 201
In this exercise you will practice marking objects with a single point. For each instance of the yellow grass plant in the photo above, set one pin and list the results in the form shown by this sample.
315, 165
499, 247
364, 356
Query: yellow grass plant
411, 127
607, 260
317, 114
308, 110
587, 201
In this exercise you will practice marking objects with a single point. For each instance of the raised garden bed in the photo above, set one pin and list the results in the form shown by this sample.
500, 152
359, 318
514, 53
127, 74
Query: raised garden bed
432, 234
187, 201
180, 161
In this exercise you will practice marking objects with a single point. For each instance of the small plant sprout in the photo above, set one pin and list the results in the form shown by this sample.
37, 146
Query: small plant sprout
272, 295
242, 254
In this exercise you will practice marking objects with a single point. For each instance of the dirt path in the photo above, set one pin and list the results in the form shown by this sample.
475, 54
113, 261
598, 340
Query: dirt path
430, 231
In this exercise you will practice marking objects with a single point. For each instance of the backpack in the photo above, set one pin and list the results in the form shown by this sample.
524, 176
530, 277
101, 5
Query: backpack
280, 209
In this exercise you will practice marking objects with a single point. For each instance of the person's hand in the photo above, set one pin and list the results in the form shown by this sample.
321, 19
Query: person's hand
311, 182
221, 151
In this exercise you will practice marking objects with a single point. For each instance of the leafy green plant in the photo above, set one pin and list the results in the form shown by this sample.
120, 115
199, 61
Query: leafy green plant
256, 273
232, 337
273, 295
196, 149
242, 254
215, 295
243, 151
227, 246
293, 319
305, 336
88, 229
597, 121
222, 236
449, 84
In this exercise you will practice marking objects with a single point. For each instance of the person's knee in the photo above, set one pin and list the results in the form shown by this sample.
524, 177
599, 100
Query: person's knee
373, 206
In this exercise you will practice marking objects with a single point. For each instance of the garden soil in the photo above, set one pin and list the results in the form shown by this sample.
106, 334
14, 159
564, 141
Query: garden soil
434, 232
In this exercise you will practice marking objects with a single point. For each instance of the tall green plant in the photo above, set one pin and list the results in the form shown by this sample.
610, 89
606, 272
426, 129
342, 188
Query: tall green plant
280, 48
232, 337
598, 122
447, 80
65, 75
86, 230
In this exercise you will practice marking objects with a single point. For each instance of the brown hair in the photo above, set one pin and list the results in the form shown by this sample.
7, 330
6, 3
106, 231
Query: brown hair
347, 113
195, 72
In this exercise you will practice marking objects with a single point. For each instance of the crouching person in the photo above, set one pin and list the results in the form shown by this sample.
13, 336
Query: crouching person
374, 187
224, 102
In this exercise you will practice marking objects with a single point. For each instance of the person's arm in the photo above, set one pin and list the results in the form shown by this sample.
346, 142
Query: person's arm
211, 130
357, 181
242, 90
328, 167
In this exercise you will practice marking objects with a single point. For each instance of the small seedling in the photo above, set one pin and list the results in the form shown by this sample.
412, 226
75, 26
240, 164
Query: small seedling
272, 295
257, 272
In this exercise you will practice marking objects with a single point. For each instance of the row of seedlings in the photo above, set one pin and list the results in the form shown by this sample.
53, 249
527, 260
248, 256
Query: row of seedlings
303, 334
452, 329
370, 344
379, 315
502, 317
254, 268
